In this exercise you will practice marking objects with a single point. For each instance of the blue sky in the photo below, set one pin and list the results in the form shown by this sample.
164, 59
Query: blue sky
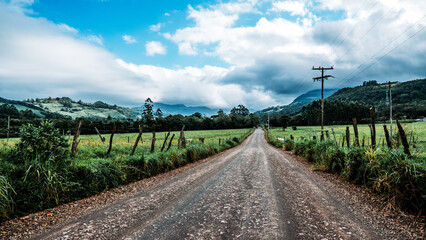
213, 53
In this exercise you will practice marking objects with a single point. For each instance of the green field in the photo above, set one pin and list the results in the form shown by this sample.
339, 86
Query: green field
416, 129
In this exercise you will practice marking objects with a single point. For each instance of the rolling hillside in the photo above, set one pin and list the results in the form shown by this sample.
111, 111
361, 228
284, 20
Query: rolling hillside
66, 107
296, 106
408, 98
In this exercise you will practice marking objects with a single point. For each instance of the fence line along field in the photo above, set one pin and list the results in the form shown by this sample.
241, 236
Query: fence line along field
416, 135
39, 171
397, 173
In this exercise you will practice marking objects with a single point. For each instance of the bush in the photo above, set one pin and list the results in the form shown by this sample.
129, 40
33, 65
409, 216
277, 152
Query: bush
6, 201
288, 145
356, 165
43, 142
37, 166
402, 181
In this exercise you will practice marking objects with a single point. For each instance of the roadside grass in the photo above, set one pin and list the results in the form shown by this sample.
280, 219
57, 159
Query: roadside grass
398, 178
36, 171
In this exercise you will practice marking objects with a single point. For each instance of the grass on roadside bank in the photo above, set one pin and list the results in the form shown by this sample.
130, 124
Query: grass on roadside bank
37, 173
400, 179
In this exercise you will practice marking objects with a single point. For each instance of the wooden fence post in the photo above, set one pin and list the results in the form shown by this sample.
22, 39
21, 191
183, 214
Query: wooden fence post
388, 140
76, 141
181, 137
137, 139
403, 139
415, 141
165, 140
153, 141
354, 122
314, 137
170, 143
201, 140
373, 127
291, 137
327, 134
110, 139
363, 142
100, 136
334, 135
348, 137
343, 141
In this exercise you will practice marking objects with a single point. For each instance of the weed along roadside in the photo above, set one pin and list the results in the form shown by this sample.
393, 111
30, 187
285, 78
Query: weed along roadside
42, 169
398, 178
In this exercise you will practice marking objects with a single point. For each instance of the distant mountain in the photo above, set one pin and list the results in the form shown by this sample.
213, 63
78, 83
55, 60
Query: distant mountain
314, 95
296, 106
168, 109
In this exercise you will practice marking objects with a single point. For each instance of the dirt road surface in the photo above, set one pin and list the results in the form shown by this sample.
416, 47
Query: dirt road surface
253, 191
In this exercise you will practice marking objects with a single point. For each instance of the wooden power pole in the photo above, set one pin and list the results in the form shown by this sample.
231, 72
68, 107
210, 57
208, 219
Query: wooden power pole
322, 93
8, 127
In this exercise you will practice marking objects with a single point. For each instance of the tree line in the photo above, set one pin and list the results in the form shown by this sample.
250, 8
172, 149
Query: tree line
238, 117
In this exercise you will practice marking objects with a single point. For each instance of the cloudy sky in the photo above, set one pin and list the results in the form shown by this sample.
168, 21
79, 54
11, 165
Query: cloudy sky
213, 53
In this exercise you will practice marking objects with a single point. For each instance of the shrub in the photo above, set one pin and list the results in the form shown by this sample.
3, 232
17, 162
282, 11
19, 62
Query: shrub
133, 168
197, 151
288, 145
403, 181
6, 201
355, 165
43, 142
37, 166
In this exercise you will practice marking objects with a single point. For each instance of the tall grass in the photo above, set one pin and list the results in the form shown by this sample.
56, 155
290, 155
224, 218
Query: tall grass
399, 179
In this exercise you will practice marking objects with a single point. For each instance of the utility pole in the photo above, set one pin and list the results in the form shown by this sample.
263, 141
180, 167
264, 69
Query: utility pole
8, 128
322, 93
268, 122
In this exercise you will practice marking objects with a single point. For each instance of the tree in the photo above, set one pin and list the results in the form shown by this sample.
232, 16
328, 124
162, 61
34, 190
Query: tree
147, 109
159, 113
284, 119
240, 110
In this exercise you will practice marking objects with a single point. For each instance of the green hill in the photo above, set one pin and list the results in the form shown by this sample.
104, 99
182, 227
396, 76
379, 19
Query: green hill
66, 108
408, 98
95, 111
296, 106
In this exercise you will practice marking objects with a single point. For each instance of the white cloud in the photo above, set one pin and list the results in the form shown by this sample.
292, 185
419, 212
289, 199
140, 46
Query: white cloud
66, 28
166, 14
156, 27
277, 53
294, 7
199, 86
186, 48
95, 39
129, 39
155, 47
269, 61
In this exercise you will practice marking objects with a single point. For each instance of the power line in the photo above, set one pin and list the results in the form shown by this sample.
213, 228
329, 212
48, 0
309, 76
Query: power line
397, 46
382, 49
303, 82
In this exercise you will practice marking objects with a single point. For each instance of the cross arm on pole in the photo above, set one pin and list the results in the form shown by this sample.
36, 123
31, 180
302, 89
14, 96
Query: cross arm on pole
326, 76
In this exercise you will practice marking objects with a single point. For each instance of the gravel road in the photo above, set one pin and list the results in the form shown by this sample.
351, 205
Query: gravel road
253, 191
